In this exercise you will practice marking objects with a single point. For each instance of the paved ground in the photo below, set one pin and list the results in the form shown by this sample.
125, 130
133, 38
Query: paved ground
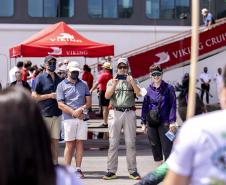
95, 157
95, 161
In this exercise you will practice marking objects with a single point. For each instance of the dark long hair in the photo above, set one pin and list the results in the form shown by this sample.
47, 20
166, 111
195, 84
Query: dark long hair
183, 99
25, 156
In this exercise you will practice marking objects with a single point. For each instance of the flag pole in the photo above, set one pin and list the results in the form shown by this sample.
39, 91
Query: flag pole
194, 58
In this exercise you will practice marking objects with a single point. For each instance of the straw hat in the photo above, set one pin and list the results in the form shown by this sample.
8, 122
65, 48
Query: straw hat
107, 65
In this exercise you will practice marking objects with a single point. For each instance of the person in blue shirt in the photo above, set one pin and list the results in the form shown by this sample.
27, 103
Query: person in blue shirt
208, 18
74, 100
45, 93
160, 95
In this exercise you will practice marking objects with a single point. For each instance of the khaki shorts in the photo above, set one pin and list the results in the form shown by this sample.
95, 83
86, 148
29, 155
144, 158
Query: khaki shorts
53, 124
75, 129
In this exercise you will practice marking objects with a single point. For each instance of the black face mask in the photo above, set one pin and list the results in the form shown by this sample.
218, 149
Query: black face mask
74, 75
52, 67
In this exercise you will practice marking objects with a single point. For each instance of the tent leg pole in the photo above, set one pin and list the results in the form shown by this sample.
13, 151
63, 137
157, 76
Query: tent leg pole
7, 65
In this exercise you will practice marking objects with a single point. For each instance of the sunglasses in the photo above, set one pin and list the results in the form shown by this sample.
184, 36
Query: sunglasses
52, 63
61, 73
156, 74
122, 67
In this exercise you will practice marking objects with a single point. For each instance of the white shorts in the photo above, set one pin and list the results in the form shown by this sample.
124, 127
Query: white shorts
75, 129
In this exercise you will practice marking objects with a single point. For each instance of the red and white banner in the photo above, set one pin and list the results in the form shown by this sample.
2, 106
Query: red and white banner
177, 52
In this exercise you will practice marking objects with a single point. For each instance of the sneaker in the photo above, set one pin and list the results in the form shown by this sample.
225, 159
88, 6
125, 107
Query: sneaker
80, 174
109, 176
104, 125
134, 176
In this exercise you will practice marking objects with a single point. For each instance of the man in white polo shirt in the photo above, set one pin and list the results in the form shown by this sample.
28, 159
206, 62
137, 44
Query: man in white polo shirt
205, 84
73, 98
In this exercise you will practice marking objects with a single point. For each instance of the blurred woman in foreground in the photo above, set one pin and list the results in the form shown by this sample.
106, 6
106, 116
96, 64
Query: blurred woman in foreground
25, 156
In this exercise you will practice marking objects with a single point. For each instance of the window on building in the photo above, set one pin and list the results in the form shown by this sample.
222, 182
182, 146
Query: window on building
165, 9
51, 8
153, 9
95, 8
182, 9
220, 9
6, 8
125, 8
110, 9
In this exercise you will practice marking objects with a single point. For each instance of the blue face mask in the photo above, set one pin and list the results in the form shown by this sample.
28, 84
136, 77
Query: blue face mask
52, 67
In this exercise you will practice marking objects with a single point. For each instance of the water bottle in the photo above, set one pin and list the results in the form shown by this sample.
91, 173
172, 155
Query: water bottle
85, 114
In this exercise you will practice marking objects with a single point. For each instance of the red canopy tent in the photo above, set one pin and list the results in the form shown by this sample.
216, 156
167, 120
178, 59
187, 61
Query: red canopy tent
60, 40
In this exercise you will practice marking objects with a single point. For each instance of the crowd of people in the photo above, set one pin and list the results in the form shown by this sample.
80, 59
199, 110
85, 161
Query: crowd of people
41, 98
64, 98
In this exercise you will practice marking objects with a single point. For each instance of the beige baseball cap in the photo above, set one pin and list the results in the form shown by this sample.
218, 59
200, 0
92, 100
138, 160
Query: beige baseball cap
73, 66
122, 60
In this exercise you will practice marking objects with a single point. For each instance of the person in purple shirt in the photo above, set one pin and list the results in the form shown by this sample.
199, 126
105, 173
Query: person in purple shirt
161, 96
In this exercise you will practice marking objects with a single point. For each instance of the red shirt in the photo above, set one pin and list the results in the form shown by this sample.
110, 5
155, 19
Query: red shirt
103, 80
24, 73
88, 77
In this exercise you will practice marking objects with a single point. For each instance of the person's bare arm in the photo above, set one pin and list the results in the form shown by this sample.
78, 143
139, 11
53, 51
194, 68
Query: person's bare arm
172, 178
41, 97
94, 87
210, 23
110, 90
88, 102
65, 108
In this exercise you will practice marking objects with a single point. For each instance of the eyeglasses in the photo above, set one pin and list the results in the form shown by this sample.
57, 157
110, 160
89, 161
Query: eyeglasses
156, 74
122, 67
